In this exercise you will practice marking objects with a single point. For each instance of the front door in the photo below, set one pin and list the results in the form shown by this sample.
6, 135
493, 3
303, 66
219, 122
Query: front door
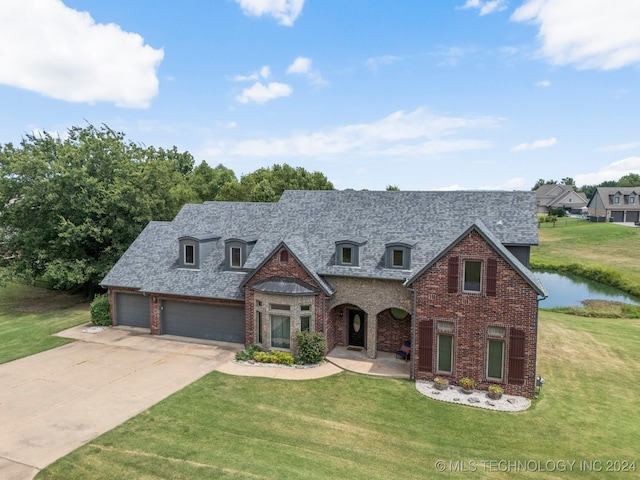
356, 328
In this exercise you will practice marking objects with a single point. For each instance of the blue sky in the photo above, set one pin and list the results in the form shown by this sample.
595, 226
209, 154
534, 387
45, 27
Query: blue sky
425, 95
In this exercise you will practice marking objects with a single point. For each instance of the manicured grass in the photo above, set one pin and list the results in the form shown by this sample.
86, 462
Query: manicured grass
360, 427
29, 316
610, 249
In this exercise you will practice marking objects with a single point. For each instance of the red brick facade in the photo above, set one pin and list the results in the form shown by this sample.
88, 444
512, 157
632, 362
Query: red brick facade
274, 267
513, 307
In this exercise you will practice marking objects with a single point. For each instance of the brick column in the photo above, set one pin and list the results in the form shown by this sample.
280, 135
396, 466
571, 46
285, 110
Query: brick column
155, 314
372, 334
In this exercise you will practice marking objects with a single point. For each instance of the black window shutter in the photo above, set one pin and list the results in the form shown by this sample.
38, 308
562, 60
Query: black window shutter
454, 267
425, 346
516, 356
492, 277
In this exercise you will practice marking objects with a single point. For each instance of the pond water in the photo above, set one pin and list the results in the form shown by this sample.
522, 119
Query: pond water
567, 290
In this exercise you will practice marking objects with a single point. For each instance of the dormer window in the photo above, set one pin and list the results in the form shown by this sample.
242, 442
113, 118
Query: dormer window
346, 255
632, 200
237, 251
398, 255
616, 200
189, 255
194, 249
349, 251
236, 257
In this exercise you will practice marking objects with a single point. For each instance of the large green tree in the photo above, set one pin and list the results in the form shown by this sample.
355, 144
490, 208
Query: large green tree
70, 207
267, 184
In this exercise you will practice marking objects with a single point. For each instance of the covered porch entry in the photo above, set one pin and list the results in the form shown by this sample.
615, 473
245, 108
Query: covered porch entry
386, 364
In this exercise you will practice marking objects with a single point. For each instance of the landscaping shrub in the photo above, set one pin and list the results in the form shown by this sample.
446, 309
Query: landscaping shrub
248, 353
100, 311
311, 347
281, 358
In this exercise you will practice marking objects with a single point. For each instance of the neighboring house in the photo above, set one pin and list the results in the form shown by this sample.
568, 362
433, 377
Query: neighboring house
446, 270
559, 196
615, 204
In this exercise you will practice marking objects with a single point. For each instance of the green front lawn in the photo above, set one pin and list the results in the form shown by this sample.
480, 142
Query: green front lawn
353, 426
29, 316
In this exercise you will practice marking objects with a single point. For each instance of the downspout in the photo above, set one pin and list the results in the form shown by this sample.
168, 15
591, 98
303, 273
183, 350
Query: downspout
535, 353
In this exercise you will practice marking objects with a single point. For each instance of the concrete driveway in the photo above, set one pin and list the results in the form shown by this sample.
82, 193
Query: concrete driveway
55, 401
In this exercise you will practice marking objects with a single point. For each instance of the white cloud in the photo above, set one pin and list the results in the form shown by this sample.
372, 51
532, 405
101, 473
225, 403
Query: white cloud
284, 11
401, 134
302, 66
62, 53
619, 147
376, 62
261, 93
486, 7
613, 171
599, 34
265, 72
543, 83
512, 184
549, 142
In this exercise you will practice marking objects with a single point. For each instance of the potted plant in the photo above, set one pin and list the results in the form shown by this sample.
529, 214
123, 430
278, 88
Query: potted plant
440, 383
495, 392
467, 385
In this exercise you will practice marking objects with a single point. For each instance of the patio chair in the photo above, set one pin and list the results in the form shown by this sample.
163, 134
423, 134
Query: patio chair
405, 351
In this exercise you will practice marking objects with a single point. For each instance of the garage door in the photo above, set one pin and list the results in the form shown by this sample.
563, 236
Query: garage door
132, 310
617, 216
632, 216
212, 322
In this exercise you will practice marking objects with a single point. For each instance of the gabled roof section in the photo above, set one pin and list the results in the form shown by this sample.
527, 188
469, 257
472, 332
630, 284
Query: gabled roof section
298, 258
485, 233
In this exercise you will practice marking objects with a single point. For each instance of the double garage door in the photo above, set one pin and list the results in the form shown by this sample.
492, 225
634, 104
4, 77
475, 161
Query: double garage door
212, 322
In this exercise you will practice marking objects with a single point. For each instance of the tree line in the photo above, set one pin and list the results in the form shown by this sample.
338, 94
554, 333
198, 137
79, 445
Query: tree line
70, 207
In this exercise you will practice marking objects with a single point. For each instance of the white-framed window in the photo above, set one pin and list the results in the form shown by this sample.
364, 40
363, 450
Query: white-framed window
472, 276
189, 255
305, 323
444, 347
280, 331
616, 199
632, 200
495, 353
236, 257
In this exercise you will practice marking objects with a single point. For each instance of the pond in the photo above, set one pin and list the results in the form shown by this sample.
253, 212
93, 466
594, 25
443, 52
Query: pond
567, 290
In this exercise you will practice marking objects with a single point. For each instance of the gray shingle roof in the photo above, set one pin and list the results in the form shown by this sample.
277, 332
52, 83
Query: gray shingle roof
310, 223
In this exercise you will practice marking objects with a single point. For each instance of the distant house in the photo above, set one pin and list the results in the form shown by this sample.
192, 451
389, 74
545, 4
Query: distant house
615, 204
559, 196
447, 271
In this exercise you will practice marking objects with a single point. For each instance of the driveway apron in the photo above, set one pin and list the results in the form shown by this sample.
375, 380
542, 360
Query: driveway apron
55, 401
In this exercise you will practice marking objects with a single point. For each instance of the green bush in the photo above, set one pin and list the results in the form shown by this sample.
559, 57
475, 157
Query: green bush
248, 353
100, 310
280, 358
311, 347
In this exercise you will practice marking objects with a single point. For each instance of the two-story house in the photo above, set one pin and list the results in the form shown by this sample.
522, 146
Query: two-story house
447, 271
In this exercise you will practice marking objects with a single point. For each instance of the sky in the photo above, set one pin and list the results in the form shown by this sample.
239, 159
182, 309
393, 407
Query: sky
422, 95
